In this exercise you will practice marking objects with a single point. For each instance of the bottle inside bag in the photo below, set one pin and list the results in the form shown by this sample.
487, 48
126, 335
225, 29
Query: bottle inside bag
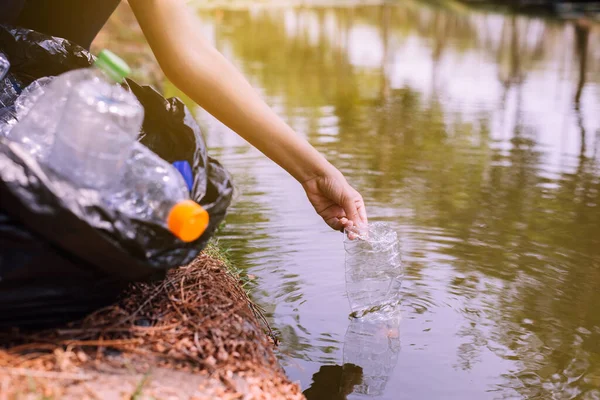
82, 123
30, 95
98, 127
82, 126
7, 89
153, 190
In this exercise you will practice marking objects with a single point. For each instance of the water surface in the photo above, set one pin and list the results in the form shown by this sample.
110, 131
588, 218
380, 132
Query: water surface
477, 136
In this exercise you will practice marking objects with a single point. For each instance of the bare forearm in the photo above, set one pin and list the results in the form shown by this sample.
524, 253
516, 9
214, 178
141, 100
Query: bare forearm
199, 70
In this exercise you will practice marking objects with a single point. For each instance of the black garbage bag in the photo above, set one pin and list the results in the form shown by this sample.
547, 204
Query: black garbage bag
60, 257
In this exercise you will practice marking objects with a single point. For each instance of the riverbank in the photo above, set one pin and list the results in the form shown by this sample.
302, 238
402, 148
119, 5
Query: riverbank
195, 335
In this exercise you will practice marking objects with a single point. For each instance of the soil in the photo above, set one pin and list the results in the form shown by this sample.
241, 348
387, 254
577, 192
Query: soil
194, 335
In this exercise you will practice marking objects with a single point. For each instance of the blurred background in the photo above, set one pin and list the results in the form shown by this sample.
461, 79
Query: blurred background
474, 129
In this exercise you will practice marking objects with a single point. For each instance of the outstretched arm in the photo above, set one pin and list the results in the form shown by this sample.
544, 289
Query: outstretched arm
205, 75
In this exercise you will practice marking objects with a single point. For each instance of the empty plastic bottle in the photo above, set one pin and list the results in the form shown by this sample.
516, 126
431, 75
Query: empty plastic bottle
38, 118
30, 95
153, 190
373, 268
85, 120
8, 119
8, 92
99, 125
9, 116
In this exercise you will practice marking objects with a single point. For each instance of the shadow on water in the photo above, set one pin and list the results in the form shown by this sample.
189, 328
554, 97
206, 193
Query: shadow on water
477, 136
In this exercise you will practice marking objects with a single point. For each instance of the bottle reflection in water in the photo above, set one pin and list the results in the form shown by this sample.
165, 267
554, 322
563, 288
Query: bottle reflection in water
373, 268
373, 344
371, 348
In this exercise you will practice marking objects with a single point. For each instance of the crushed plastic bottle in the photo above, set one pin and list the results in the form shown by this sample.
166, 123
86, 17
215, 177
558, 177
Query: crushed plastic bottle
30, 95
374, 269
8, 119
35, 131
8, 91
98, 127
10, 115
89, 116
153, 190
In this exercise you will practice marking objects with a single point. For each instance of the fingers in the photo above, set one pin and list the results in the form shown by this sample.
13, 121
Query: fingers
339, 223
336, 223
362, 212
355, 210
349, 206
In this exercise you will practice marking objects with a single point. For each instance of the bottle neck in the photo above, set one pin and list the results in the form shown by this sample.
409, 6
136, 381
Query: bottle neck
107, 75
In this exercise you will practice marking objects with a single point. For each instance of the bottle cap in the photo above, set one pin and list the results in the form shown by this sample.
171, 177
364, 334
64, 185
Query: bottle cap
112, 65
187, 220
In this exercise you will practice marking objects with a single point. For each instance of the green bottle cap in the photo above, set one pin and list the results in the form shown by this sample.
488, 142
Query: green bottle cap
112, 65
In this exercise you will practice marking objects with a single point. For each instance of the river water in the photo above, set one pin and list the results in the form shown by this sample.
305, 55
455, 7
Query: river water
476, 135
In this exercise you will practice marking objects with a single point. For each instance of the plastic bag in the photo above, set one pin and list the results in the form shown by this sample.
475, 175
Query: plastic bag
61, 258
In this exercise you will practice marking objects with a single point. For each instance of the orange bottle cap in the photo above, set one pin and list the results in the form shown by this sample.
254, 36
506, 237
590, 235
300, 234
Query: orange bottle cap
187, 220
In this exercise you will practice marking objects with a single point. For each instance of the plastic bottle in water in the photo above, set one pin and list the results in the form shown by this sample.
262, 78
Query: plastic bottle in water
98, 127
152, 190
373, 268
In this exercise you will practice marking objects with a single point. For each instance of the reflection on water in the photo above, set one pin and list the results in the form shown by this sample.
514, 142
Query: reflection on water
477, 136
373, 344
371, 347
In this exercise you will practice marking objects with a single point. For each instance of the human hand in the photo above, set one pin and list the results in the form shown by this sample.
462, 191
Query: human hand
338, 203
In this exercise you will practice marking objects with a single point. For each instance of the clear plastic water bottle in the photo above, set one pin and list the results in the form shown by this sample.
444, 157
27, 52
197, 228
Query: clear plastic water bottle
37, 126
153, 190
373, 268
37, 130
7, 90
30, 95
9, 116
99, 125
8, 119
